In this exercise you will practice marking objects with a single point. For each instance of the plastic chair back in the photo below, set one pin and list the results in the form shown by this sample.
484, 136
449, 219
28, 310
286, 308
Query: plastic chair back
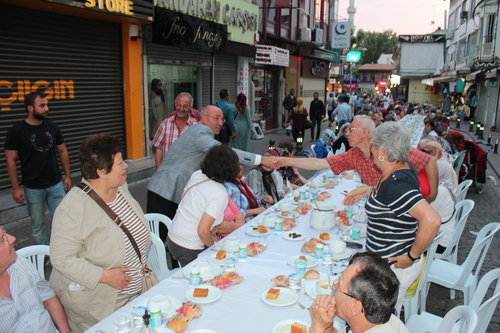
157, 257
36, 255
463, 313
312, 149
340, 150
462, 189
462, 211
486, 309
459, 160
154, 220
478, 252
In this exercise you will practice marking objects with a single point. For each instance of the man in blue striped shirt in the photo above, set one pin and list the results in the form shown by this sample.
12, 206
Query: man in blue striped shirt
27, 303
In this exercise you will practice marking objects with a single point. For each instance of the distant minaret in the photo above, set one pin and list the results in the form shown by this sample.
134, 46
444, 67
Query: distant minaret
351, 10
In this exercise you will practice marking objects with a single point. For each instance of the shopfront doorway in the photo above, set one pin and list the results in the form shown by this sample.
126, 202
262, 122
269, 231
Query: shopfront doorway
265, 81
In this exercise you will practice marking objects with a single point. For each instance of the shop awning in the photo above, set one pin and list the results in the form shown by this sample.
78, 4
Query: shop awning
431, 80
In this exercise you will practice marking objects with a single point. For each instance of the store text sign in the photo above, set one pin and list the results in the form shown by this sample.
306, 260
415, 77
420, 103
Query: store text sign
218, 11
173, 28
271, 55
113, 6
12, 91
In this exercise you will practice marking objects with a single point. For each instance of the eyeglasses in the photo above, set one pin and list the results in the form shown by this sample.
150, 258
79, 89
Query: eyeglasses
217, 118
353, 128
184, 106
335, 289
5, 239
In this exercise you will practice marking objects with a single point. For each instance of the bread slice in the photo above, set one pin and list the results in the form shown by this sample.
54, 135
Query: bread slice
200, 292
298, 328
220, 255
324, 236
261, 229
273, 293
303, 258
312, 274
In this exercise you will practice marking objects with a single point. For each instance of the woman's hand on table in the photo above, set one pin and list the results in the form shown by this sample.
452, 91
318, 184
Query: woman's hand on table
357, 194
267, 200
115, 277
402, 261
323, 311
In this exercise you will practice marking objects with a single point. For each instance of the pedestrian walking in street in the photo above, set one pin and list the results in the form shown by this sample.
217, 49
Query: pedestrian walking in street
289, 103
227, 130
331, 104
316, 114
36, 142
298, 118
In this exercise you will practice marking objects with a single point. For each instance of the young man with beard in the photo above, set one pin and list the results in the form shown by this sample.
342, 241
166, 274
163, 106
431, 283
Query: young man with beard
35, 141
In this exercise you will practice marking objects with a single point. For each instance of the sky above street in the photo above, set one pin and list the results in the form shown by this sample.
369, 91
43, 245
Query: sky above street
405, 17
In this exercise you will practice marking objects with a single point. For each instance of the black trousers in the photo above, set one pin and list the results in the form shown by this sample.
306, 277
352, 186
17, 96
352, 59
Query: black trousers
158, 204
316, 122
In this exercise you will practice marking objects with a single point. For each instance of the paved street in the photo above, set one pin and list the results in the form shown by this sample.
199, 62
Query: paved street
485, 211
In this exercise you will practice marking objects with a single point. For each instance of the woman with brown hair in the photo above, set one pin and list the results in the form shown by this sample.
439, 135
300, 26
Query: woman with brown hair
298, 117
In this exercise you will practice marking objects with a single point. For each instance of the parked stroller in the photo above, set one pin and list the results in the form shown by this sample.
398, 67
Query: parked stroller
474, 163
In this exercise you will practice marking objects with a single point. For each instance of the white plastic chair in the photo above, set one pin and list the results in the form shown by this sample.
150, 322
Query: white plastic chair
411, 302
486, 309
312, 150
426, 322
36, 255
157, 257
464, 277
459, 160
462, 189
154, 220
461, 215
340, 150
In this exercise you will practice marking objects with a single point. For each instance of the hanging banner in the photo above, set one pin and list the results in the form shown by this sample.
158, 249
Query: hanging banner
174, 28
341, 35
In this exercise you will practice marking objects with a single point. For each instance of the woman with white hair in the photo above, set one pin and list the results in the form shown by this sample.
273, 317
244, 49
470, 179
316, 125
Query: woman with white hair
447, 175
401, 224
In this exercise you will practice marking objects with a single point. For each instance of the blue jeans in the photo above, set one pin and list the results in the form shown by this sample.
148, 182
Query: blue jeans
36, 199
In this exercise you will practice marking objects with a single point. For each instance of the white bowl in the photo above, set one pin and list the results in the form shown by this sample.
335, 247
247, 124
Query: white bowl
205, 268
231, 244
337, 246
162, 301
269, 220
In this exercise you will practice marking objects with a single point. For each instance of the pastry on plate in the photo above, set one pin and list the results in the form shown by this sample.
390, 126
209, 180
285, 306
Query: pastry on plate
324, 236
261, 229
312, 274
190, 310
298, 328
281, 281
273, 293
179, 323
200, 292
220, 255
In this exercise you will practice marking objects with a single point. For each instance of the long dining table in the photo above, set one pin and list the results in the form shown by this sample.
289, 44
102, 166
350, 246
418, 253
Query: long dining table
241, 307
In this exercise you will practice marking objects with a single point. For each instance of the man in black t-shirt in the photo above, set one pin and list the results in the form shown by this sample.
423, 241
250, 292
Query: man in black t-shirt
316, 114
35, 141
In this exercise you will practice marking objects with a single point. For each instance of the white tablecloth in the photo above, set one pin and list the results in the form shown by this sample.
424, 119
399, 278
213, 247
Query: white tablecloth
241, 309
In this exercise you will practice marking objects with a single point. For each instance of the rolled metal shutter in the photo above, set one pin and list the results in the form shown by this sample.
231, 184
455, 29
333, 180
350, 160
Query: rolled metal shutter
78, 60
225, 76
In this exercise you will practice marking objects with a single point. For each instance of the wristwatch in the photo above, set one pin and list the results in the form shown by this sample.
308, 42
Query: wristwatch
411, 258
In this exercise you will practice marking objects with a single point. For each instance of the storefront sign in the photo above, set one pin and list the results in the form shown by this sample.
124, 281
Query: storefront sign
234, 13
243, 71
353, 56
332, 56
173, 28
272, 55
422, 38
315, 68
137, 9
13, 91
341, 37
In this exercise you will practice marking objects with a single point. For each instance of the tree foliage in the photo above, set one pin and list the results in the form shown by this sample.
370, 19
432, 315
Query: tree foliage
375, 44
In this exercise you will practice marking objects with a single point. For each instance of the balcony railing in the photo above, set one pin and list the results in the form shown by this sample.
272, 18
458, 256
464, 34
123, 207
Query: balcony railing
484, 52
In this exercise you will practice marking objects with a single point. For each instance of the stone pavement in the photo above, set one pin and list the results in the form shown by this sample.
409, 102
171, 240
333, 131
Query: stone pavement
438, 302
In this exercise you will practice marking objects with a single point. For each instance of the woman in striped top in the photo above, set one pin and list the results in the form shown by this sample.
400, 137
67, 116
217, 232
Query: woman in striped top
96, 269
401, 224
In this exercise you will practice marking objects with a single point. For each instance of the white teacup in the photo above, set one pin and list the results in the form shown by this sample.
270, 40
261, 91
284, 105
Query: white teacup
162, 301
231, 244
322, 287
337, 246
269, 220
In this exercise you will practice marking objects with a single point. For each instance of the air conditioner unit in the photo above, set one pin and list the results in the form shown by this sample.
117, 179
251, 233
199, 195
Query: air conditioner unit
317, 35
305, 34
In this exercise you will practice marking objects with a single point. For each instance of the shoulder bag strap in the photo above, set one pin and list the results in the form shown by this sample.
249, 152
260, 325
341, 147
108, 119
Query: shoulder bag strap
190, 187
93, 194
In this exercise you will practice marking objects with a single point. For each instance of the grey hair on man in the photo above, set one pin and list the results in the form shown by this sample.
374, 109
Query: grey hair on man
365, 122
394, 138
185, 94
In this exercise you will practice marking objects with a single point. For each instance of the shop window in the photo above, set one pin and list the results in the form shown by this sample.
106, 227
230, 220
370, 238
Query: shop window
166, 82
263, 82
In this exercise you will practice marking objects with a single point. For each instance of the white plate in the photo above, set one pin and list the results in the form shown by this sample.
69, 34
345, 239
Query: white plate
216, 270
344, 255
202, 330
284, 326
253, 232
175, 303
214, 294
213, 261
311, 261
286, 235
290, 215
287, 297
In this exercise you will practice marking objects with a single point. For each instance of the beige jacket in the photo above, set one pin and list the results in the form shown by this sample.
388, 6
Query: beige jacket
84, 242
